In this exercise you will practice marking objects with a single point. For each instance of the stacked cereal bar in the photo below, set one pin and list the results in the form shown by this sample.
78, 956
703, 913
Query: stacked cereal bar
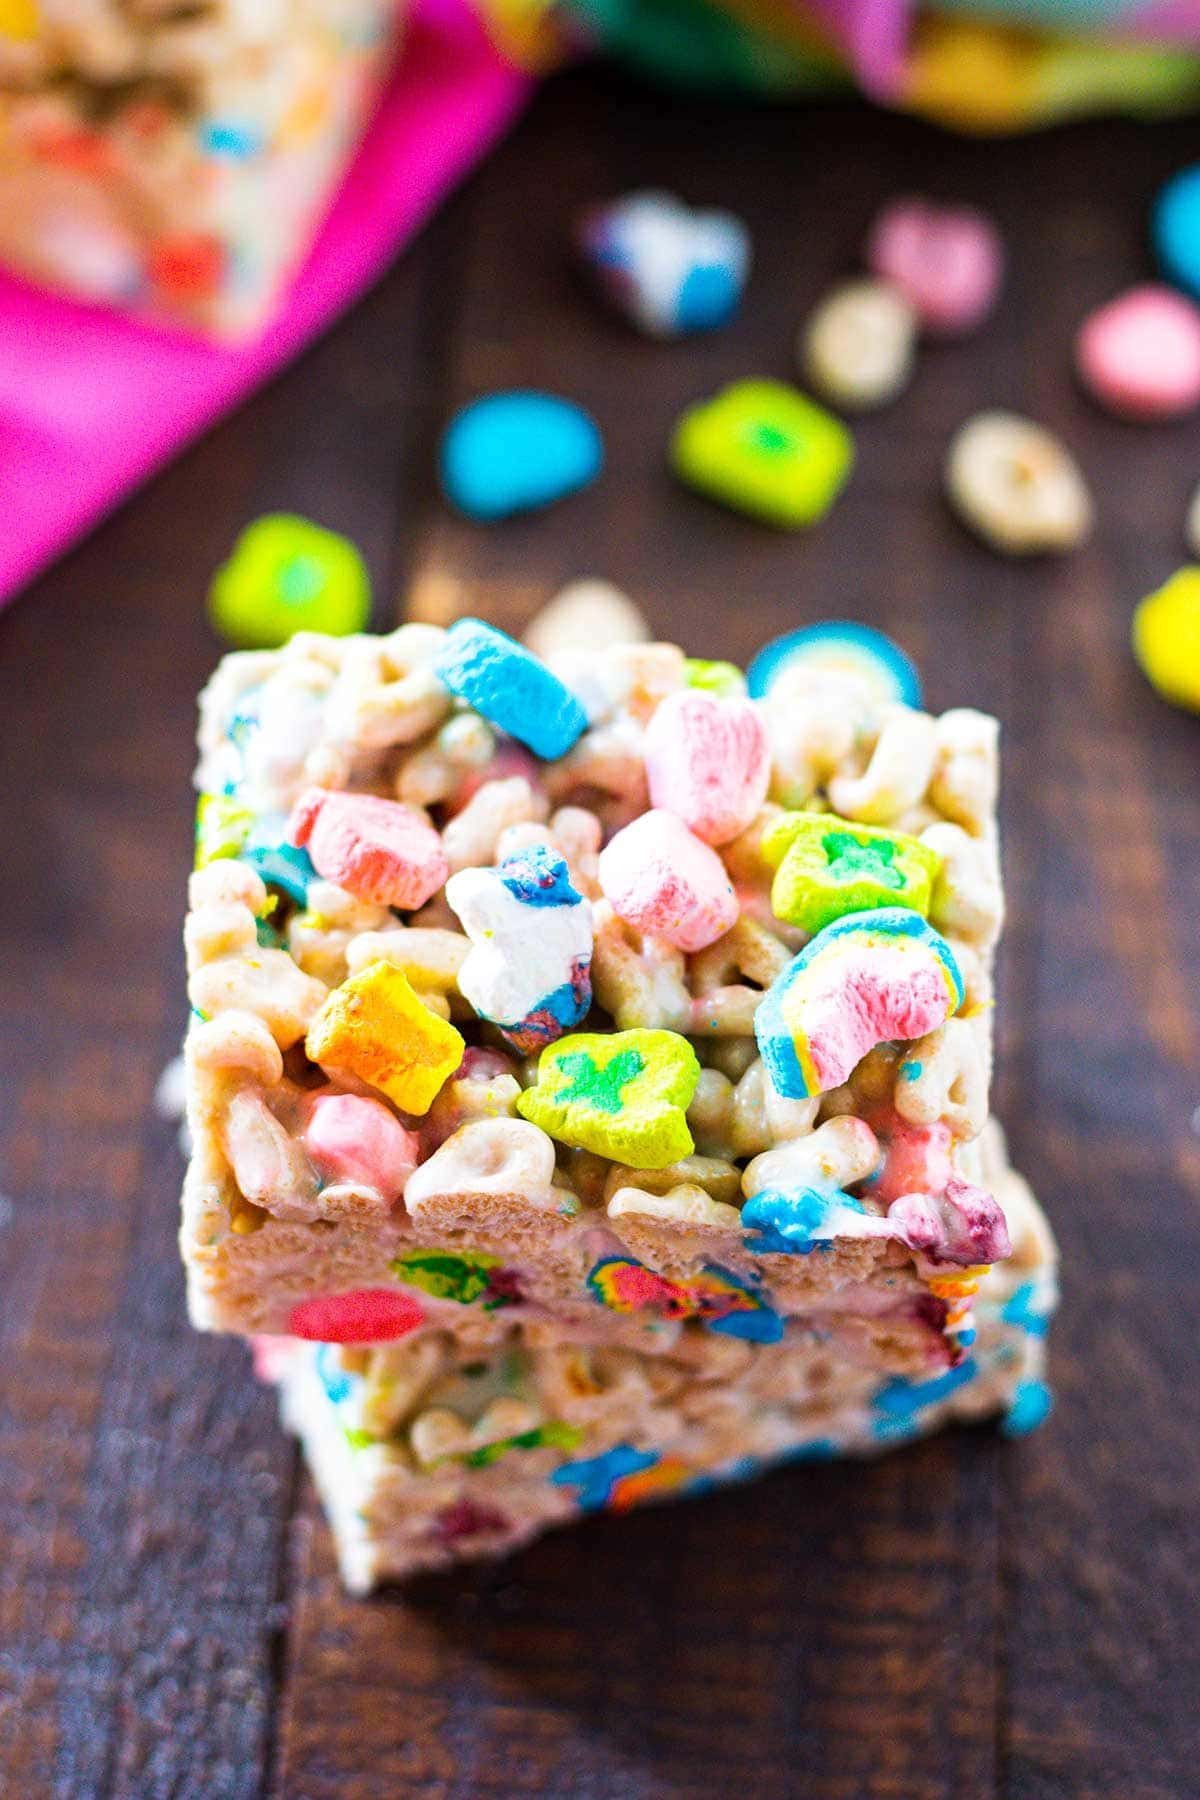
583, 1005
173, 156
426, 1453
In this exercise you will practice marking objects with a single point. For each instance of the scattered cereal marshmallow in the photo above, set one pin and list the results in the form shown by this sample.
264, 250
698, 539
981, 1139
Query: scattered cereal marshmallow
512, 689
376, 849
1166, 638
947, 260
708, 760
763, 448
531, 934
867, 978
857, 348
356, 1141
375, 1027
1191, 526
518, 450
1140, 354
286, 574
1017, 486
622, 1094
668, 267
663, 879
1175, 227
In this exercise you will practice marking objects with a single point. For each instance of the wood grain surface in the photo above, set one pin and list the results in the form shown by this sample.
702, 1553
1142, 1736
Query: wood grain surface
965, 1620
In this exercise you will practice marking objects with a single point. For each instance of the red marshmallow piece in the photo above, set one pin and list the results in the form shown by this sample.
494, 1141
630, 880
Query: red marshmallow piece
665, 881
364, 1316
947, 261
376, 849
358, 1141
1140, 354
708, 760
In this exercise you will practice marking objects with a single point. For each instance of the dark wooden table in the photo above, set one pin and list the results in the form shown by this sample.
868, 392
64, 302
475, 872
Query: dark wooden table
966, 1619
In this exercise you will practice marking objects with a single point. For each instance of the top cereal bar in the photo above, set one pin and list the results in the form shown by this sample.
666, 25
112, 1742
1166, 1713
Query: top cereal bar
587, 991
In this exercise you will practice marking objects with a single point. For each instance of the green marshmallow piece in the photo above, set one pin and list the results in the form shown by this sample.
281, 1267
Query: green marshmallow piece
764, 448
223, 825
622, 1094
826, 867
286, 574
724, 679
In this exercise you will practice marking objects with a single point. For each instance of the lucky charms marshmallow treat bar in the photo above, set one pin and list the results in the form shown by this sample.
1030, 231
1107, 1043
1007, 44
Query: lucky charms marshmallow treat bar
590, 991
172, 158
426, 1453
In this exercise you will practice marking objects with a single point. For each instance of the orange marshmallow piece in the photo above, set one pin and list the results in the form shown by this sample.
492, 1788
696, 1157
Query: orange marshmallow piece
375, 1027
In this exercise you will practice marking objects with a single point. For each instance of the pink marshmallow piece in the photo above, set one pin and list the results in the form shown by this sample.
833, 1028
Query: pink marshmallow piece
962, 1225
916, 1160
363, 1316
851, 1007
376, 849
708, 760
359, 1142
663, 880
948, 261
1140, 354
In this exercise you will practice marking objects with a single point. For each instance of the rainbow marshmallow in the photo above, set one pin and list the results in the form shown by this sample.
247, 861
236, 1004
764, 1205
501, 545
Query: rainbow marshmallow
864, 979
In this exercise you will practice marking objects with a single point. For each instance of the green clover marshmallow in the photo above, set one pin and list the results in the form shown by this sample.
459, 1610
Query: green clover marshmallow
826, 867
622, 1094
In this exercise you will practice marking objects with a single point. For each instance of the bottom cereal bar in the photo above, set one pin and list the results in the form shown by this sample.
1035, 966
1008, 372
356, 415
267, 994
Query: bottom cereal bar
427, 1453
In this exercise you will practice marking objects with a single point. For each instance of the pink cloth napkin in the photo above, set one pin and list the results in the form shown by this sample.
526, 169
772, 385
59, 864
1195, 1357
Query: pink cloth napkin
91, 403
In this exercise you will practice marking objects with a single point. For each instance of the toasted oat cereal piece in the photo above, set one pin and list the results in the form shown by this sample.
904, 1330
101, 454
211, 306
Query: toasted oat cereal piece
1017, 486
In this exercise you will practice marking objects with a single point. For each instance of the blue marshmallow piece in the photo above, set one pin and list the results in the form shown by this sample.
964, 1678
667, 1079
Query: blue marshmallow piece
838, 646
514, 452
510, 687
1175, 228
